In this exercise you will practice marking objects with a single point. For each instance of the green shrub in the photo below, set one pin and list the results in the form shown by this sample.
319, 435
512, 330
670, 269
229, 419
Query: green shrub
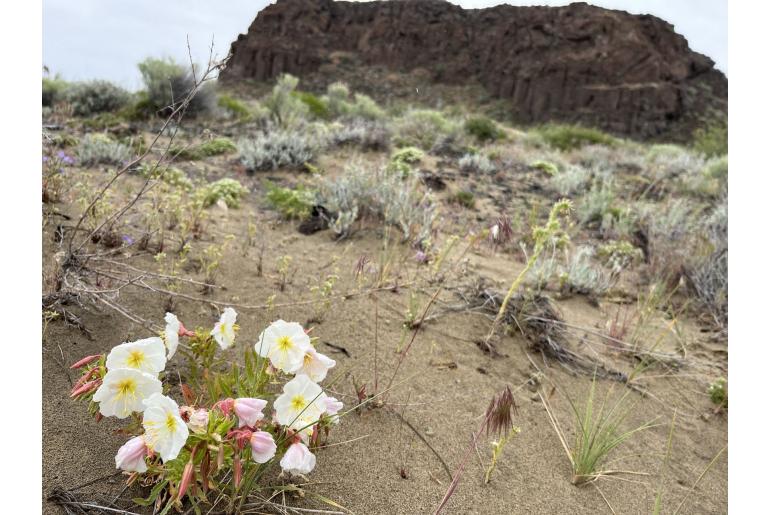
291, 203
476, 163
97, 96
424, 128
168, 83
568, 137
337, 99
229, 190
170, 175
483, 128
546, 167
213, 147
402, 159
465, 198
619, 254
54, 89
285, 107
711, 139
315, 105
234, 107
365, 107
718, 392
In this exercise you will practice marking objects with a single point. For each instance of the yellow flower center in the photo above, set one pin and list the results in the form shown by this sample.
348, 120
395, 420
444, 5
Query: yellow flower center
126, 387
135, 358
298, 403
308, 359
170, 422
285, 343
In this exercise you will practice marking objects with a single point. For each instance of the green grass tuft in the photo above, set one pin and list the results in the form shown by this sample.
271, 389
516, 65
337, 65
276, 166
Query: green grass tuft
569, 137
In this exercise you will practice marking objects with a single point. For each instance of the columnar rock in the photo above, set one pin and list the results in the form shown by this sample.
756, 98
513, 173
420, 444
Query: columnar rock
630, 74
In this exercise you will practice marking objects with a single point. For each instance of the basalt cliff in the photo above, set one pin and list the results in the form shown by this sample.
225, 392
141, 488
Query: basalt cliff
628, 74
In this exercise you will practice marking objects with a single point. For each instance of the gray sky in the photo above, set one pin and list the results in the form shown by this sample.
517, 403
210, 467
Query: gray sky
88, 39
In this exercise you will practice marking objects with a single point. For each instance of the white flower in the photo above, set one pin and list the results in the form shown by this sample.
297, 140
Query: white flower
224, 330
164, 430
315, 365
285, 343
301, 403
148, 355
123, 390
333, 406
131, 455
171, 334
298, 459
197, 419
262, 446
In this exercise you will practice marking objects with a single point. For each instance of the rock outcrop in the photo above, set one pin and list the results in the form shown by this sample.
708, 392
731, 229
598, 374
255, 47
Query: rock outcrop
628, 74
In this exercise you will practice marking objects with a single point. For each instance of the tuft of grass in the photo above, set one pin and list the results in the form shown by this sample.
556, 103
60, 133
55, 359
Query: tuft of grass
483, 129
101, 149
464, 198
568, 137
167, 84
597, 433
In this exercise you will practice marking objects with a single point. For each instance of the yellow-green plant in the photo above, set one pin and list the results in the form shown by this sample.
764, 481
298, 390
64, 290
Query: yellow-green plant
284, 263
542, 235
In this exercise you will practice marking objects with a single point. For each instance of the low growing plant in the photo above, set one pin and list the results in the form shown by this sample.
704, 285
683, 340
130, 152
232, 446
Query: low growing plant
220, 441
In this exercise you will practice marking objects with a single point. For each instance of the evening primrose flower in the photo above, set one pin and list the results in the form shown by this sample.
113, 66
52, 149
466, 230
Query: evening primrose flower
285, 343
301, 403
171, 334
147, 355
249, 410
262, 446
197, 419
131, 455
333, 406
224, 330
298, 459
165, 431
123, 390
315, 365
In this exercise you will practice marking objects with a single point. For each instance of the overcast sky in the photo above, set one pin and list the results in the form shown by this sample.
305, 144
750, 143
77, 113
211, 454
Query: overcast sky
87, 39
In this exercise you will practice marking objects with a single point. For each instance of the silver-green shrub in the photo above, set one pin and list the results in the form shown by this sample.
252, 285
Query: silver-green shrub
279, 149
101, 149
97, 96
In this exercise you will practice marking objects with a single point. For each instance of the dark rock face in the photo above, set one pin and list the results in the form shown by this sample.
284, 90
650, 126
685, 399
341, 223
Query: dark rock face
625, 73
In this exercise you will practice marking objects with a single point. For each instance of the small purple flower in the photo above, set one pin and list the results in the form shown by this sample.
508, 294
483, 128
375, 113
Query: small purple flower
45, 159
67, 160
60, 154
128, 240
421, 257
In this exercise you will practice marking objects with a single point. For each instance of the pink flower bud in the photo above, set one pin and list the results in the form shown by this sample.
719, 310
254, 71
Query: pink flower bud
225, 406
85, 361
130, 457
188, 476
240, 436
85, 388
249, 410
298, 459
262, 446
183, 331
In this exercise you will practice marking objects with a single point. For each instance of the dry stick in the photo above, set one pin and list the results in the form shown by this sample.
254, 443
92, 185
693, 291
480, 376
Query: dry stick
708, 467
461, 468
376, 337
414, 335
425, 441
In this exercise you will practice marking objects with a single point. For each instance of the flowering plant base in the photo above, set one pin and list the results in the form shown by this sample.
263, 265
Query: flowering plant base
235, 421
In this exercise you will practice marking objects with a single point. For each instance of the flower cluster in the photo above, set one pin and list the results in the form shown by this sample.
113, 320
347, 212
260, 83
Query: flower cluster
215, 433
